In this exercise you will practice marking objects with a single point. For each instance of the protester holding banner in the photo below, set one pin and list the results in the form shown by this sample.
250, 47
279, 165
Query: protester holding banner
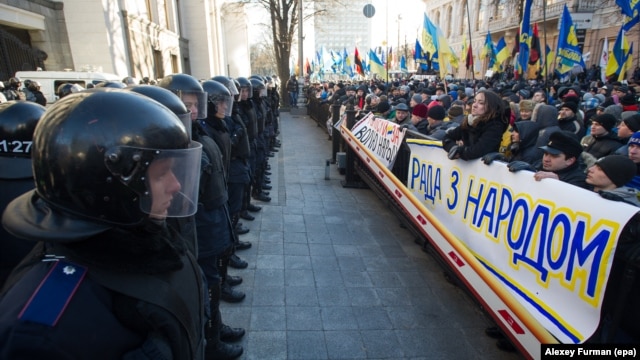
481, 132
609, 175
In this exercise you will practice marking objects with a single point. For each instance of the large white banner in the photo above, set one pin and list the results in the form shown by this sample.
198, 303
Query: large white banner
550, 243
381, 136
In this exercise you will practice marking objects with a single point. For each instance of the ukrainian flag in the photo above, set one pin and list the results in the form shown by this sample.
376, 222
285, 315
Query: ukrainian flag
375, 65
619, 61
502, 53
567, 50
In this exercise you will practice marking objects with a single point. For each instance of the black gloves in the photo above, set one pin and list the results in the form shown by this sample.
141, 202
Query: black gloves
491, 157
516, 166
455, 152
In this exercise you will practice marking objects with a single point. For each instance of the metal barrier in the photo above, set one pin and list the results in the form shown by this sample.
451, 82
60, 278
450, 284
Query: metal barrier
318, 110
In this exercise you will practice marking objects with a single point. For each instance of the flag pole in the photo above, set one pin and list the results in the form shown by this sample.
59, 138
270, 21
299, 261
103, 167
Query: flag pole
544, 30
473, 73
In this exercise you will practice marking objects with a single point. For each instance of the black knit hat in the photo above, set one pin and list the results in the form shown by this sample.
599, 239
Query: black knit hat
607, 121
571, 105
437, 112
633, 122
619, 169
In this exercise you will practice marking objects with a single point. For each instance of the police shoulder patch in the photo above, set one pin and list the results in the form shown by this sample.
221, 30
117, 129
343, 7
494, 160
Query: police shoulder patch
50, 299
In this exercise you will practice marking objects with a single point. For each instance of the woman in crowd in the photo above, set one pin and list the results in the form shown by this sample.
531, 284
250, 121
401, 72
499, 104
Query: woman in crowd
481, 131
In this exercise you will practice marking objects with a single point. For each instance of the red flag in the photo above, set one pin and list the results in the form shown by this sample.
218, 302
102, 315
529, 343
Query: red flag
469, 59
307, 66
516, 46
358, 63
534, 48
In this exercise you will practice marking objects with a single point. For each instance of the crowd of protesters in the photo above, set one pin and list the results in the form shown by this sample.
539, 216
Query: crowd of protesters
585, 133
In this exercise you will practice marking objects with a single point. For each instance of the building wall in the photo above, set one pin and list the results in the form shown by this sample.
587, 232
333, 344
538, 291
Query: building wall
96, 36
45, 22
236, 61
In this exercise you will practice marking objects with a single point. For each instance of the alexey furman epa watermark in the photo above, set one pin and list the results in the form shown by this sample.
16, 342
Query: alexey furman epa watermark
588, 351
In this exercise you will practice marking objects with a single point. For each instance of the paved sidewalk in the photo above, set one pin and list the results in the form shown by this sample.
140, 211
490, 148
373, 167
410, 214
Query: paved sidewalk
332, 275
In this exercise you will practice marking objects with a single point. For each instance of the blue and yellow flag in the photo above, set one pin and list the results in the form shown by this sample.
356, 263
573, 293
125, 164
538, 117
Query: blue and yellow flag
446, 55
569, 53
525, 41
619, 57
403, 65
487, 48
488, 51
631, 11
429, 37
375, 65
420, 57
346, 63
502, 52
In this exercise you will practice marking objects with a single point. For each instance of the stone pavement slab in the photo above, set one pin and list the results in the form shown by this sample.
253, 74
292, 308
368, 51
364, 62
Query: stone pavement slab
332, 275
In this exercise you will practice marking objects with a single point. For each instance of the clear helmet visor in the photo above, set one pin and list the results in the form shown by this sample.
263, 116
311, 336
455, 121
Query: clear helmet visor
232, 88
245, 93
185, 119
223, 105
172, 180
196, 102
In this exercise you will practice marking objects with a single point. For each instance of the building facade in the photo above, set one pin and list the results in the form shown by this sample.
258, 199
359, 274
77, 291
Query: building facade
139, 38
600, 19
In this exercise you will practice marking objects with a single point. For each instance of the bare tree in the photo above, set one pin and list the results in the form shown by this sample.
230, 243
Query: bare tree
284, 20
262, 60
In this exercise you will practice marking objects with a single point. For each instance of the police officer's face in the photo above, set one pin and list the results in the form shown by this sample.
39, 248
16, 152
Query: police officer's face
553, 162
163, 185
244, 93
191, 102
221, 108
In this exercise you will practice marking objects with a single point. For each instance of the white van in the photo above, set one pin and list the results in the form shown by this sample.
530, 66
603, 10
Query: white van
50, 80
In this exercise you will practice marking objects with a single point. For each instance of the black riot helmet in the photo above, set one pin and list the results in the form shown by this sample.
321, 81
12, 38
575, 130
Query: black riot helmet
68, 89
189, 91
237, 84
168, 99
115, 157
111, 84
229, 83
14, 83
129, 81
18, 120
270, 83
259, 89
245, 88
33, 86
219, 97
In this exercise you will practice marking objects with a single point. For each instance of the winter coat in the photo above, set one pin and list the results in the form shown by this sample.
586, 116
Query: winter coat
603, 145
527, 150
479, 139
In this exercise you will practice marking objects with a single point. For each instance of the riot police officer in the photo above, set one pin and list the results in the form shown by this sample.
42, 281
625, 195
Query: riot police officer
108, 279
13, 90
18, 120
213, 224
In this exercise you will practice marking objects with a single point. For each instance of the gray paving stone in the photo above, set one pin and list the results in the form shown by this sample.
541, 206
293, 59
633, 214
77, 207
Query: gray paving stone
332, 275
306, 345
